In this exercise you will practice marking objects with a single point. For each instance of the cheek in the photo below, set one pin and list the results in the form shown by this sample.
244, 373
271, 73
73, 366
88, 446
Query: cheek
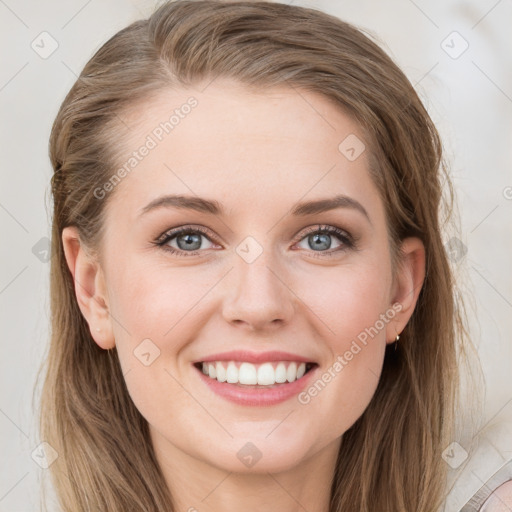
150, 301
353, 311
157, 312
153, 319
348, 301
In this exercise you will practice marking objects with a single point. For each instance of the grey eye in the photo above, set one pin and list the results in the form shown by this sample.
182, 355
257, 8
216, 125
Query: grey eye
318, 241
187, 241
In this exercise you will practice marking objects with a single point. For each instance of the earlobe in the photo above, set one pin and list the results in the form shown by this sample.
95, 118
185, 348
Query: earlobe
409, 281
89, 286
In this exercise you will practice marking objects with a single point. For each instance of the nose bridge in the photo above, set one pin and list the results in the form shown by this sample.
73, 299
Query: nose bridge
257, 294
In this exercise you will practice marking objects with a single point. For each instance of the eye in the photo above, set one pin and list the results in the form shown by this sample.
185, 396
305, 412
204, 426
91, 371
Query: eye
188, 240
184, 241
320, 239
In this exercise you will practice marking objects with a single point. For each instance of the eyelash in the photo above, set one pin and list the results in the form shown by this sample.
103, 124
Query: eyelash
349, 242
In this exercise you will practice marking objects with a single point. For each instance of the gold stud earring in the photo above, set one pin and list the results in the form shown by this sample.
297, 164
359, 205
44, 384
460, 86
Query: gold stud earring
396, 340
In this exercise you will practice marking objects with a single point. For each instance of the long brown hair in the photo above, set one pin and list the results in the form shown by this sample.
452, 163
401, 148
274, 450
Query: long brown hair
391, 458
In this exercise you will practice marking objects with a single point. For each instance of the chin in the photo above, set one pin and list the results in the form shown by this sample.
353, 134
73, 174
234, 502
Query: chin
260, 456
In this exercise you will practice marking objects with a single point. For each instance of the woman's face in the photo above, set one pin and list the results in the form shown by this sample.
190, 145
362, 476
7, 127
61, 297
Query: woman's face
263, 270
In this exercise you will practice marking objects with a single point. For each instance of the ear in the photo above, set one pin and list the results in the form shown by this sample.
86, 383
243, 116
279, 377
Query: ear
90, 288
407, 286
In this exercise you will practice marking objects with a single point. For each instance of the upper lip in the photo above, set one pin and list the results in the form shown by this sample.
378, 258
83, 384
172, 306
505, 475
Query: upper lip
254, 357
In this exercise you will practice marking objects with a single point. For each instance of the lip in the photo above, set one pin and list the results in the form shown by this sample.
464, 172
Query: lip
258, 396
254, 357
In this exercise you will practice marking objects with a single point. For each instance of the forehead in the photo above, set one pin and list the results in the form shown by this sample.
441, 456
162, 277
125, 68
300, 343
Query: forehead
243, 146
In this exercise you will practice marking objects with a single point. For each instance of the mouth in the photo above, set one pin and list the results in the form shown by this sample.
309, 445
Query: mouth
265, 375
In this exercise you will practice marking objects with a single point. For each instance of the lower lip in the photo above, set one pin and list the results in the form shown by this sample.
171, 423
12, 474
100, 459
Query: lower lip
253, 396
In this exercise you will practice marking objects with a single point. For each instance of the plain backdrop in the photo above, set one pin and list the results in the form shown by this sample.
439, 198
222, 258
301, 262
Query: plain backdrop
458, 56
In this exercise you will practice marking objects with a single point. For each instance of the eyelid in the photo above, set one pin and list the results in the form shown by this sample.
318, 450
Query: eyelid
327, 228
349, 241
178, 230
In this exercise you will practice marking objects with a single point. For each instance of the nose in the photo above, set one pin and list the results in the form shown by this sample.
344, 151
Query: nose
258, 298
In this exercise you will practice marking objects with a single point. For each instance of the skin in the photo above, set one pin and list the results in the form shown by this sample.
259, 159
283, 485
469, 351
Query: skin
257, 154
500, 500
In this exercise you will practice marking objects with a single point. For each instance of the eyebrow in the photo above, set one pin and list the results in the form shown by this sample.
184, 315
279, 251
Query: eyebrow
213, 207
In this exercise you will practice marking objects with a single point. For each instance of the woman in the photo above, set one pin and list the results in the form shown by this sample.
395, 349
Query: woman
252, 307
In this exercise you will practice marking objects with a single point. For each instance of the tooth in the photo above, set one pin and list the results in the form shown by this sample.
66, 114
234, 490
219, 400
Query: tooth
232, 373
250, 374
291, 373
281, 373
247, 374
266, 374
221, 372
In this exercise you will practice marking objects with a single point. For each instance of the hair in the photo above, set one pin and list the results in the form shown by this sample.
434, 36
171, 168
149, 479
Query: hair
391, 458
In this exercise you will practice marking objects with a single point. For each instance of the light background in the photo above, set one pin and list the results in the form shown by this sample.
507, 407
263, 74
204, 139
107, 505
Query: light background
469, 97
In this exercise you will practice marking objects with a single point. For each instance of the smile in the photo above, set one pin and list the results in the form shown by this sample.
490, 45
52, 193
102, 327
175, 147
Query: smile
249, 374
256, 384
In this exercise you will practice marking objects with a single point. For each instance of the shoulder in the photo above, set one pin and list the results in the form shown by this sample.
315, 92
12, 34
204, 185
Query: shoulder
500, 500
